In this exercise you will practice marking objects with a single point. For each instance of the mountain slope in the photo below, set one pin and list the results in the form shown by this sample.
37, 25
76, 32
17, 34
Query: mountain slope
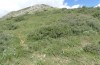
51, 37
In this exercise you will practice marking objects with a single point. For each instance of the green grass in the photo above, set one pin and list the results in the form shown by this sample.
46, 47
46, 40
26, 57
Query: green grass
51, 37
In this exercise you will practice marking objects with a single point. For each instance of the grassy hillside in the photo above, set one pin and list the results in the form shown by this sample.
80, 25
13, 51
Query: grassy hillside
51, 37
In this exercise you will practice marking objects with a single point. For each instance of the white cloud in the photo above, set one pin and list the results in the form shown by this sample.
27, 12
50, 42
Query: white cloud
74, 6
13, 5
97, 5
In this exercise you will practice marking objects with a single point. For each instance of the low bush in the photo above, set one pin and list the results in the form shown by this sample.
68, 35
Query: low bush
39, 45
18, 19
67, 26
96, 15
93, 48
10, 26
52, 31
82, 22
4, 39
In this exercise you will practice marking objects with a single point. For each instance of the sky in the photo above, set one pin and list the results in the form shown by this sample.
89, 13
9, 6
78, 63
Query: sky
88, 3
7, 6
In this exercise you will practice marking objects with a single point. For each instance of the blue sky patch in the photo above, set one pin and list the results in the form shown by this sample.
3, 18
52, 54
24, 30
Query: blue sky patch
88, 3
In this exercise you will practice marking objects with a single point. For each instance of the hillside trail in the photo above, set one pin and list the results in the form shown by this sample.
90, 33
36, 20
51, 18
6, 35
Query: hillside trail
22, 39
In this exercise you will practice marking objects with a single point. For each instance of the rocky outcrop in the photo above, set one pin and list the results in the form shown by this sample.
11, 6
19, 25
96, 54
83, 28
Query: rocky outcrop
28, 10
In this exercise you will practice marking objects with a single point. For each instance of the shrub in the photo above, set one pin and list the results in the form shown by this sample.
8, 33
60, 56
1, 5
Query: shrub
82, 22
10, 26
52, 31
38, 45
97, 15
18, 19
54, 50
93, 48
8, 41
9, 18
84, 7
4, 39
40, 13
67, 26
94, 25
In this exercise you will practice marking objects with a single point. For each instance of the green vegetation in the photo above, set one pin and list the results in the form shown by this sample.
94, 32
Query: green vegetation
51, 37
18, 19
93, 48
